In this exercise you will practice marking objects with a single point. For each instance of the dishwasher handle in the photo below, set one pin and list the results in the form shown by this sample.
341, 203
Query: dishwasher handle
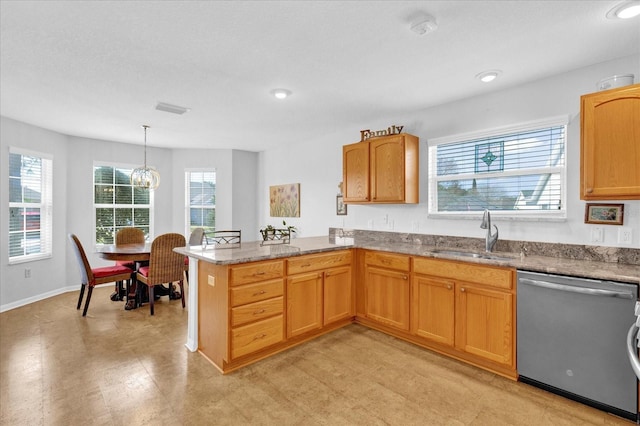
576, 289
632, 349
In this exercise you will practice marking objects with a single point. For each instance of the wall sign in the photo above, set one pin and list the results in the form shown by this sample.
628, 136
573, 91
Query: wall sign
368, 134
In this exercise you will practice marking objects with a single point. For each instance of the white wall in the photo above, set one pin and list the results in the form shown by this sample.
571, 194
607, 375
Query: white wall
48, 276
317, 162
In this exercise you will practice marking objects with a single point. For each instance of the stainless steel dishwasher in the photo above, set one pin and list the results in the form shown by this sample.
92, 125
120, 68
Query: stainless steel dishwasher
571, 339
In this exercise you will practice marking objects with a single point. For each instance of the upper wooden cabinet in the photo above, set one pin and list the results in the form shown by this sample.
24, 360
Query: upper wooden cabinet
381, 170
610, 144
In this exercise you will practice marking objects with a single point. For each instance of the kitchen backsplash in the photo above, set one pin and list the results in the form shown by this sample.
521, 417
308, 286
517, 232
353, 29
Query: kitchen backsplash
629, 256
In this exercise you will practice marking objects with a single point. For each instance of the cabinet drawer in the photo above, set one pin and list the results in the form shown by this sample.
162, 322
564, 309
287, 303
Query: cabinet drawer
256, 292
316, 262
480, 274
387, 260
254, 272
256, 336
256, 311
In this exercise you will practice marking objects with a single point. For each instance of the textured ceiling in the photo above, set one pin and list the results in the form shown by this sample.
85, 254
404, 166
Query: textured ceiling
97, 68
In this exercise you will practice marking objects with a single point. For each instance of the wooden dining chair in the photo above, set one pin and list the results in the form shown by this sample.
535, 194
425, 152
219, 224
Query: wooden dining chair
195, 239
129, 235
93, 276
165, 266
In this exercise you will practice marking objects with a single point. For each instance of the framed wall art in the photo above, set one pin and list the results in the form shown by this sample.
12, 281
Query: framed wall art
604, 214
284, 200
341, 207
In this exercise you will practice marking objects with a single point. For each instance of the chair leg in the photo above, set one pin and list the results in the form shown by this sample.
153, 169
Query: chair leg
151, 298
182, 292
86, 304
81, 296
186, 274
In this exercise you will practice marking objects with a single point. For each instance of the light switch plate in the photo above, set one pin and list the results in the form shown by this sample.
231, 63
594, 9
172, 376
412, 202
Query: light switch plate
597, 234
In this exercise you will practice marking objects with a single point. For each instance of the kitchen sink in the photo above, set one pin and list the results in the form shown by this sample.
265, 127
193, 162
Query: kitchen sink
489, 256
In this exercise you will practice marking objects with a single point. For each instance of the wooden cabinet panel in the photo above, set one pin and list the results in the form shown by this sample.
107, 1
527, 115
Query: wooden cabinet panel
382, 170
479, 274
388, 260
304, 303
256, 311
316, 262
255, 272
338, 300
250, 293
433, 314
387, 297
610, 144
355, 171
259, 335
485, 324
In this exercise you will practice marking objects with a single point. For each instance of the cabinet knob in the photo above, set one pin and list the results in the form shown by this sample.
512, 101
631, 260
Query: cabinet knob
462, 289
449, 287
404, 277
589, 190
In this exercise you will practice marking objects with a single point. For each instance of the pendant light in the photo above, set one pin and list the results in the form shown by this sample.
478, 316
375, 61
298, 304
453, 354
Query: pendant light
145, 177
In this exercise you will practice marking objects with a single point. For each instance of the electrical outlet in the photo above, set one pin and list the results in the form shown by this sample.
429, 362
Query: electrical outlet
597, 234
27, 272
625, 235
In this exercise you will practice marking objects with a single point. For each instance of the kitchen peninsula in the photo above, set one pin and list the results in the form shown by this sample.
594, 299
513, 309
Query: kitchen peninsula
253, 301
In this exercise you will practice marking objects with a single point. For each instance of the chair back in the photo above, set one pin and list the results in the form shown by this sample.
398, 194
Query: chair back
129, 236
196, 237
226, 237
165, 265
83, 263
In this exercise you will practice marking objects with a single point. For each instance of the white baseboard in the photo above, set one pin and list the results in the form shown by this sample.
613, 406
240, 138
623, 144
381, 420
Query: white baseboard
38, 297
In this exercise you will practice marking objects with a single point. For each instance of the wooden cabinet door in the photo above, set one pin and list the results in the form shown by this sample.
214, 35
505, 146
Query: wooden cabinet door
338, 302
387, 297
355, 172
304, 303
433, 313
610, 145
387, 169
485, 323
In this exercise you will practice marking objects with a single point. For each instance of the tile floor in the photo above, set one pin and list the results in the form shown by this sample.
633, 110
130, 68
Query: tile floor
118, 367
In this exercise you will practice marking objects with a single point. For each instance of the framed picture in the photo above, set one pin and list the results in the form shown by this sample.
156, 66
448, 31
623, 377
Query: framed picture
605, 214
341, 207
284, 200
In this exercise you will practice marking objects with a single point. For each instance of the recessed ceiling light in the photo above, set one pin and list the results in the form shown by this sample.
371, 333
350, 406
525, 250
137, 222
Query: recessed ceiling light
625, 10
487, 76
281, 93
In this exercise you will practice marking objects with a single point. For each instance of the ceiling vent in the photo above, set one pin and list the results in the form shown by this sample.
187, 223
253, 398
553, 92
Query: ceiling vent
174, 109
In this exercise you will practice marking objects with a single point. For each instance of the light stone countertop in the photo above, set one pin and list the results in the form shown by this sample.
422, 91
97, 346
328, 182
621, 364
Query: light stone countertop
254, 251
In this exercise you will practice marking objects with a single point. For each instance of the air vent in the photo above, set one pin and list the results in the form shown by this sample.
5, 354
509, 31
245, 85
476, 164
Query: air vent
174, 109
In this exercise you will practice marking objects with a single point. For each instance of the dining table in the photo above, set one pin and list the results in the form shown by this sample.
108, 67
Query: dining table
138, 253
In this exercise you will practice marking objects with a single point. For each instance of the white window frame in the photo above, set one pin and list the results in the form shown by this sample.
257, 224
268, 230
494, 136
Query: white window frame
45, 205
97, 206
187, 193
535, 215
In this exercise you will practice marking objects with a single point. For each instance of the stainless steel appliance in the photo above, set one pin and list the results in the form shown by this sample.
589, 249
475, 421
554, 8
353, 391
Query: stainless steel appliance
571, 339
633, 342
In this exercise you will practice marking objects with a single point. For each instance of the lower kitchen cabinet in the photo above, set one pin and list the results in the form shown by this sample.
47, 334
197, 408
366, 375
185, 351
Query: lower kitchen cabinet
304, 303
338, 299
387, 289
433, 309
466, 310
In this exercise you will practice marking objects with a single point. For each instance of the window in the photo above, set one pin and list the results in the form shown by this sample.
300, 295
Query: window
30, 205
118, 204
201, 200
518, 171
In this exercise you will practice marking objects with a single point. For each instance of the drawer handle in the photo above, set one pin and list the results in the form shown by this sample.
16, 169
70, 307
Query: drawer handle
306, 265
259, 273
261, 311
385, 261
260, 336
261, 292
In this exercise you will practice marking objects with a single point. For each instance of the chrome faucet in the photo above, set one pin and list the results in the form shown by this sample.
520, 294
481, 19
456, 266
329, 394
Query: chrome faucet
491, 238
